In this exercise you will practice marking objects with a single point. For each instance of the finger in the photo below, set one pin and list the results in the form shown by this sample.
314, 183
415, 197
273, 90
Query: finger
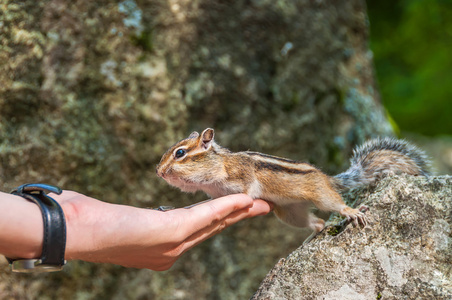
259, 208
208, 232
206, 214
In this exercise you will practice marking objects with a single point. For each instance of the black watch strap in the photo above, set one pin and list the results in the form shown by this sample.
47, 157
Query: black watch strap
54, 243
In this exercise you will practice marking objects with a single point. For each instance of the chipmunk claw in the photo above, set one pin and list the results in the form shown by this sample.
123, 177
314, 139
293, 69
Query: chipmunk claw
363, 208
356, 216
164, 208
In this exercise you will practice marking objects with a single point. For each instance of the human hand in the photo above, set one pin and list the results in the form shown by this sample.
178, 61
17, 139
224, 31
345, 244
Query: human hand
142, 238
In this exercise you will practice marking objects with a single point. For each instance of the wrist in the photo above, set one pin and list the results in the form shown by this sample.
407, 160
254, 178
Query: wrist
54, 230
82, 224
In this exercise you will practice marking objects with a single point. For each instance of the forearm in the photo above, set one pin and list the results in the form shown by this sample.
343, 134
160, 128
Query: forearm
21, 227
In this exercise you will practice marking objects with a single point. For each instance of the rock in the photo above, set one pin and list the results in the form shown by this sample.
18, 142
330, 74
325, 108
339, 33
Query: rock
404, 253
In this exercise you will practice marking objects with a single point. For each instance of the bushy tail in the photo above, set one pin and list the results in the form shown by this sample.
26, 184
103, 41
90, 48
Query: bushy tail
381, 156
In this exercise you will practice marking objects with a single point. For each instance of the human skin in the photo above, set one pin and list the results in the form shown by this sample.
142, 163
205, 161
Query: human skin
102, 232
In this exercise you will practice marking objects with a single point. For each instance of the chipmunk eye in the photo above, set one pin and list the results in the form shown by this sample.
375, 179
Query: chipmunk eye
179, 153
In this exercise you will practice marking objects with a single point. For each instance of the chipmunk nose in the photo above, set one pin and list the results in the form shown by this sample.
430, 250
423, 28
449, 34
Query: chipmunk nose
160, 172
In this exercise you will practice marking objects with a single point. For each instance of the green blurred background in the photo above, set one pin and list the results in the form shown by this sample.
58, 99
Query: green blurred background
412, 45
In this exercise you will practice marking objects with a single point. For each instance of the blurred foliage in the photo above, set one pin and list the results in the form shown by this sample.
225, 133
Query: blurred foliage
412, 45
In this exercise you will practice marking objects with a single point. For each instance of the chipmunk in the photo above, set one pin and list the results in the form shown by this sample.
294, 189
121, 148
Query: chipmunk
199, 163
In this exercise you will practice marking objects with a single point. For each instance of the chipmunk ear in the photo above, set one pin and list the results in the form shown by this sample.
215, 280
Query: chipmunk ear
207, 138
193, 135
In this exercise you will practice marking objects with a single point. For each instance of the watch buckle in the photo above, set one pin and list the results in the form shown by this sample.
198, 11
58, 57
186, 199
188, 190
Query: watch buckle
33, 266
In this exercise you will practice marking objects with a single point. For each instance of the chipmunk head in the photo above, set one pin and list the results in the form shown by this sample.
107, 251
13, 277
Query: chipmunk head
192, 162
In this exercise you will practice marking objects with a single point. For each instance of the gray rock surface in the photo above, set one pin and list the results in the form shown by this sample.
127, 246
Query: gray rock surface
404, 253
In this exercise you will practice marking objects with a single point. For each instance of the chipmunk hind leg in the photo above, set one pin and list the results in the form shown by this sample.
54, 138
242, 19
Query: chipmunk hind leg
298, 215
